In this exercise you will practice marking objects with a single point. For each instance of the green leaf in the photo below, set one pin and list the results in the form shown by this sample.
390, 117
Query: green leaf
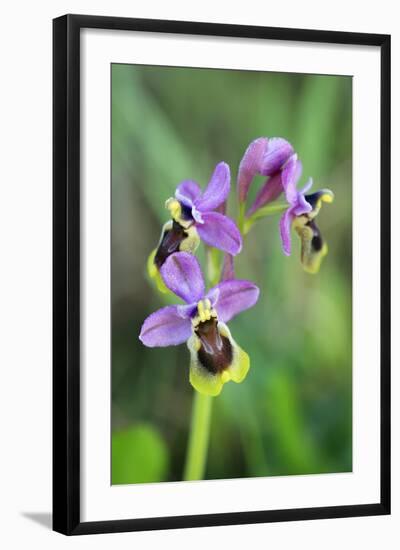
139, 455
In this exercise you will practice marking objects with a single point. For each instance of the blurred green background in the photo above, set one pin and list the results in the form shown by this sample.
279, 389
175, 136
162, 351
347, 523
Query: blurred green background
292, 415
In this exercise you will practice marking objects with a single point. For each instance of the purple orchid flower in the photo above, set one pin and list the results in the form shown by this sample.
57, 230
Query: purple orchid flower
201, 322
194, 208
296, 199
197, 215
266, 157
301, 212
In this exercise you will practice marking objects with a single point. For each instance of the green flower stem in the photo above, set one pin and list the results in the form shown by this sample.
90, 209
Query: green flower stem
269, 210
214, 265
199, 434
196, 457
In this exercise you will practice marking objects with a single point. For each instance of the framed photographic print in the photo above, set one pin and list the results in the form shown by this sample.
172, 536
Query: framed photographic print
221, 274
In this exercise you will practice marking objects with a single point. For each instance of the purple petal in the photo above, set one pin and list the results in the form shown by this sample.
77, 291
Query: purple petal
182, 274
187, 192
234, 296
187, 311
307, 186
285, 225
250, 166
213, 295
290, 176
302, 206
278, 152
270, 191
217, 189
220, 231
165, 327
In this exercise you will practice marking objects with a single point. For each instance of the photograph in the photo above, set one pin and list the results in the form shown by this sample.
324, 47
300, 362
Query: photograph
199, 221
231, 274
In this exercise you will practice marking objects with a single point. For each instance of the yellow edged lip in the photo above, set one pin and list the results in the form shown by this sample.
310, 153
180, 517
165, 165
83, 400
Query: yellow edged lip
154, 274
209, 383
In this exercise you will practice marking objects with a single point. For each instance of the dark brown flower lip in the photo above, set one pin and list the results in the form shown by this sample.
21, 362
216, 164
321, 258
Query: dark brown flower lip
170, 243
215, 353
316, 242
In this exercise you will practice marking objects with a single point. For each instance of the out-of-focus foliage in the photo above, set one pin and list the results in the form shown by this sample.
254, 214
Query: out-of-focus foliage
139, 455
292, 415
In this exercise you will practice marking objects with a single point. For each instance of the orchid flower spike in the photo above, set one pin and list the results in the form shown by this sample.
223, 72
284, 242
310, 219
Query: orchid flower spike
301, 214
194, 219
215, 357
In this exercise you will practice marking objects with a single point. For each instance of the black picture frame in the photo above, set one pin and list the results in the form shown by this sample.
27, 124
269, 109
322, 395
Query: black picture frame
66, 273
